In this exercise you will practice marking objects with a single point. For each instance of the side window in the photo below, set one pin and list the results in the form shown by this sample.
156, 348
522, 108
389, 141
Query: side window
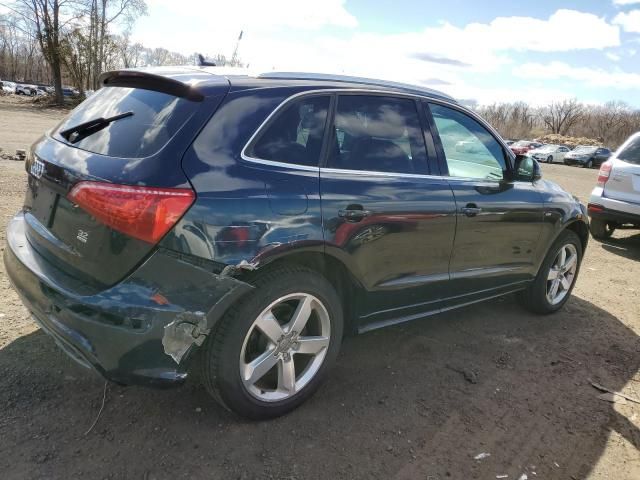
380, 134
295, 135
631, 153
470, 150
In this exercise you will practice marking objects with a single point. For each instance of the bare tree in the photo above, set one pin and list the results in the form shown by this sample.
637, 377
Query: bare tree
102, 15
559, 117
48, 19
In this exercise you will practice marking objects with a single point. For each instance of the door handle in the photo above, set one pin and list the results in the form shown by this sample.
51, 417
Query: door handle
353, 215
471, 210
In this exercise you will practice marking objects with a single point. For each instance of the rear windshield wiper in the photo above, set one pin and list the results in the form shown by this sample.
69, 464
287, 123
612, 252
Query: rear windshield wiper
83, 130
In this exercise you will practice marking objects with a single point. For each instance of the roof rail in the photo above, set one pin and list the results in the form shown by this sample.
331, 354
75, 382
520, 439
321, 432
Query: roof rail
350, 79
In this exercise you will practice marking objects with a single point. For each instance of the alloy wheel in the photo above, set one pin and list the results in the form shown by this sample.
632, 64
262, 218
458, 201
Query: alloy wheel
285, 347
562, 274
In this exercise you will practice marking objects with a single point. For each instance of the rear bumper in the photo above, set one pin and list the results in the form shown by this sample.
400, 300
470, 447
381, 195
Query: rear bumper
144, 330
575, 161
603, 213
611, 209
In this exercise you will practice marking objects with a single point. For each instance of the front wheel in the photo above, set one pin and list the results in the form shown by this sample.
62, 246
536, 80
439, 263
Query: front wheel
589, 164
556, 278
272, 351
549, 159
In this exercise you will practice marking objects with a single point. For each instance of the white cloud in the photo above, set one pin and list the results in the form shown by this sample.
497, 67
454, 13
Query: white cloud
630, 22
613, 56
266, 14
563, 31
625, 2
288, 35
593, 77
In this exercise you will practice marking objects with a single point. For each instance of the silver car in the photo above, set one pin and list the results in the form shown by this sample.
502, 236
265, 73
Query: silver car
549, 153
615, 201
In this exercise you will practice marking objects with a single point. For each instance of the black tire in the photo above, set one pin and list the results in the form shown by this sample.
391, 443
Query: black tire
549, 159
220, 371
534, 297
601, 229
589, 164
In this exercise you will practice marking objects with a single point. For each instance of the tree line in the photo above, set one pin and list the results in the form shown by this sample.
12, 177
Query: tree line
609, 124
56, 42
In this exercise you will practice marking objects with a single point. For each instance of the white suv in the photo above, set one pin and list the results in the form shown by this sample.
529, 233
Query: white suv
615, 201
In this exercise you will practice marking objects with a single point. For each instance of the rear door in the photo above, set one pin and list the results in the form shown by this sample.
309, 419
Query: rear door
141, 149
499, 220
624, 183
384, 214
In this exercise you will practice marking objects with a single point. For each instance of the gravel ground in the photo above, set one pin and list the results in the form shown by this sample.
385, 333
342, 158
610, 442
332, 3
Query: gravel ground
418, 401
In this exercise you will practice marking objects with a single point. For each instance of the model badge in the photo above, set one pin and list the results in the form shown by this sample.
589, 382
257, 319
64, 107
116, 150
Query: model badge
83, 236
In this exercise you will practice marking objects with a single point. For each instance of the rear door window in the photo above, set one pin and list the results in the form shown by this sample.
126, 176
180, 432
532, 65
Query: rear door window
156, 119
379, 134
631, 153
295, 135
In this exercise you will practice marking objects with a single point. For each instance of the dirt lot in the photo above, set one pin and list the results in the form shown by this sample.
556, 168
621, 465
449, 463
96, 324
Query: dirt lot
396, 405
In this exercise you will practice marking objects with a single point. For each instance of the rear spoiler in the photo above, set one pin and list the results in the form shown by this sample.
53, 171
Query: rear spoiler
150, 81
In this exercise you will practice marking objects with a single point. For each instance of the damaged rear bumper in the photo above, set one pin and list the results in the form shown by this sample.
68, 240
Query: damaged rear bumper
143, 330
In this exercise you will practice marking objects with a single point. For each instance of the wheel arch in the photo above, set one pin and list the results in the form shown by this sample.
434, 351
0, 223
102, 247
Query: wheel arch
331, 268
581, 229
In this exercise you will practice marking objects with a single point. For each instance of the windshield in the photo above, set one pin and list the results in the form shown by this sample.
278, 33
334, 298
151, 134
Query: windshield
631, 153
547, 148
154, 120
582, 149
521, 144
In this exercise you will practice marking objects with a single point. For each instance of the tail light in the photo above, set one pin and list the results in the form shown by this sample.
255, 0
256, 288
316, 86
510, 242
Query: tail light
145, 213
603, 174
595, 208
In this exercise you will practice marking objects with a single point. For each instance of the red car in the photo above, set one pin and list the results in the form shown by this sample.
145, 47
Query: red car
523, 146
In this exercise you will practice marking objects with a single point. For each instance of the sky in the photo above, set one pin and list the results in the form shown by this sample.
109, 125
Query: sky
489, 51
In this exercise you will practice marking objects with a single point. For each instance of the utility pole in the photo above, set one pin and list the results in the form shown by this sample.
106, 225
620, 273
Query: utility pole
234, 57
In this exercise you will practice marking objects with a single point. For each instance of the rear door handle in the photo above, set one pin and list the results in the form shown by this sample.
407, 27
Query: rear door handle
353, 215
471, 210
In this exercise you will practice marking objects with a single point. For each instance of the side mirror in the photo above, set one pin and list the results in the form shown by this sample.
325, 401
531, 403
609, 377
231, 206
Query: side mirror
527, 169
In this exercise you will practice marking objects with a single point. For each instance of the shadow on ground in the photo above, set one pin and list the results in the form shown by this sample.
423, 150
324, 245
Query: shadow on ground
627, 247
396, 406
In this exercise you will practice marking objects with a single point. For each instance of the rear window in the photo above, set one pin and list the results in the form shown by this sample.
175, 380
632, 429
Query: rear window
631, 153
156, 118
295, 136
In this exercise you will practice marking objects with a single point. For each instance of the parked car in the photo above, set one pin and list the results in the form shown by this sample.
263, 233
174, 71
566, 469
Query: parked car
615, 201
522, 147
549, 153
587, 156
8, 87
509, 142
177, 216
22, 89
70, 92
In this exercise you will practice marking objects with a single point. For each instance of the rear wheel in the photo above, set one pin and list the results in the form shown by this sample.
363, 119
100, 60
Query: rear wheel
557, 276
589, 164
271, 352
601, 229
549, 159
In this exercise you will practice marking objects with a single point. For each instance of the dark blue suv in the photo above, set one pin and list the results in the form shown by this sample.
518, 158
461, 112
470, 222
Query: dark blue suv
182, 217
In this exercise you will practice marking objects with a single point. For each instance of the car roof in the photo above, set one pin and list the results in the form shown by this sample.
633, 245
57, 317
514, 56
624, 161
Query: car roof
205, 78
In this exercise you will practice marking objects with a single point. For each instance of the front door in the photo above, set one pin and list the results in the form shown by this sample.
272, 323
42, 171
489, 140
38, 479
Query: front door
499, 220
384, 216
